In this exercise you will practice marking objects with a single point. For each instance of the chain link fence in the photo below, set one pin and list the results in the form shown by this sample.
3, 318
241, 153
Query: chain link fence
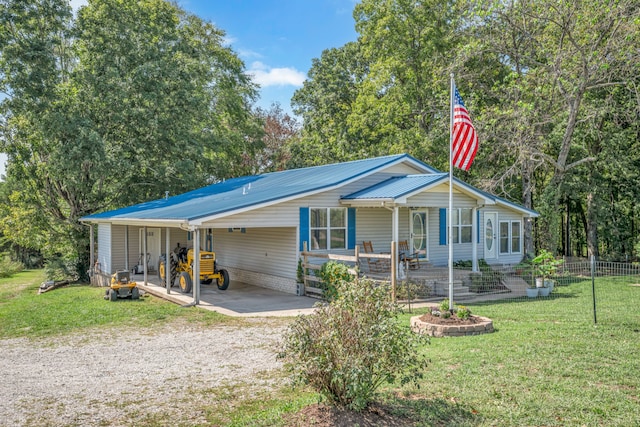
611, 288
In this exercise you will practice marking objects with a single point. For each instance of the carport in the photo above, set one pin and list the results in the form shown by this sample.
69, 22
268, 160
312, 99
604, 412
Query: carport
240, 300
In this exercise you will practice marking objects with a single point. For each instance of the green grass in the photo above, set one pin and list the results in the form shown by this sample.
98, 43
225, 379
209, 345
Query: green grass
546, 364
24, 313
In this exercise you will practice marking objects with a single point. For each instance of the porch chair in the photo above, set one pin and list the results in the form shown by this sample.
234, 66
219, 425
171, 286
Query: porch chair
376, 265
412, 259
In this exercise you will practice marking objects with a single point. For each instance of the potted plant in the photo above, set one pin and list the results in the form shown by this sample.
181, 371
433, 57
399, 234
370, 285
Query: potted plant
532, 290
545, 265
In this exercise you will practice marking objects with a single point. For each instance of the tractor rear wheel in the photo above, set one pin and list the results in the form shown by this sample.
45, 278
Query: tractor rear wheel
223, 281
184, 281
162, 271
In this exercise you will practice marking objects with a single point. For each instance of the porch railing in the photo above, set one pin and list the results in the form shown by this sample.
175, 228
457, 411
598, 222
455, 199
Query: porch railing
309, 280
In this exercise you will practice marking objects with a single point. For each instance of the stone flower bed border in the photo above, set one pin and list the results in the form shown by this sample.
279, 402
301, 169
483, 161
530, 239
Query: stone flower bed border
483, 325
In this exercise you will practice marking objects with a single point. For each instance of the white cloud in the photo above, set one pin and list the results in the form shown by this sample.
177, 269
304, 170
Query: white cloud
266, 76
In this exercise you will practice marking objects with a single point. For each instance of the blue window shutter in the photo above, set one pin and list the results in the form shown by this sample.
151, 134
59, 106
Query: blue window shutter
478, 224
443, 226
351, 228
304, 227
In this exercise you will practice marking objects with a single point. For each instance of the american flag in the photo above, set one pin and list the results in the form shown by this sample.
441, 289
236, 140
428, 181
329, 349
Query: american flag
465, 139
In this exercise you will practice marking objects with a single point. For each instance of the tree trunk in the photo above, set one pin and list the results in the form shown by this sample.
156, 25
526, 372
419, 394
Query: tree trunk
527, 201
592, 230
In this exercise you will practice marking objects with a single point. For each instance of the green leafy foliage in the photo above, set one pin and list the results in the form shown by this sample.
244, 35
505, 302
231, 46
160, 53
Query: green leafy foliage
8, 267
332, 273
109, 107
351, 346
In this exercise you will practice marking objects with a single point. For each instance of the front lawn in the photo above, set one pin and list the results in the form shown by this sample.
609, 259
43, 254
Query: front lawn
77, 307
546, 364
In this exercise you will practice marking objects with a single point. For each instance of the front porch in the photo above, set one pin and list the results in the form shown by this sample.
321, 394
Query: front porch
428, 283
420, 282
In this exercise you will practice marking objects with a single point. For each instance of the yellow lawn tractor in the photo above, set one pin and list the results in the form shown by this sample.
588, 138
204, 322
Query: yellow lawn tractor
182, 270
122, 287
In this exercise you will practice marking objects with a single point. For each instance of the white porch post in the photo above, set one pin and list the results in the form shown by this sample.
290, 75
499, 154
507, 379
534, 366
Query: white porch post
394, 235
196, 266
144, 255
126, 247
474, 239
167, 260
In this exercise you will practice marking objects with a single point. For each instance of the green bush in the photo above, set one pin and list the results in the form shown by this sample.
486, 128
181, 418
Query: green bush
332, 273
351, 346
8, 267
59, 268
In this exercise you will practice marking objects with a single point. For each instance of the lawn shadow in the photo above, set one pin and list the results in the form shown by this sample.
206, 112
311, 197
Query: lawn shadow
434, 412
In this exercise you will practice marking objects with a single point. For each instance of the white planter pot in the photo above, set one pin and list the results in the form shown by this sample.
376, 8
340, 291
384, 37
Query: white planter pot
539, 282
544, 292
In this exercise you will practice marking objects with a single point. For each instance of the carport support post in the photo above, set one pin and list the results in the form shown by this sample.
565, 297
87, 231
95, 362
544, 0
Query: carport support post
126, 247
167, 261
196, 267
144, 255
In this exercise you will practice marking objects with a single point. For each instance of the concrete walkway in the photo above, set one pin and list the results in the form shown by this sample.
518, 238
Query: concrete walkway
239, 300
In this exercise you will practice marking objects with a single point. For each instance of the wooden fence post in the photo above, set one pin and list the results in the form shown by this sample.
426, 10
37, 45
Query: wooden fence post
394, 266
305, 260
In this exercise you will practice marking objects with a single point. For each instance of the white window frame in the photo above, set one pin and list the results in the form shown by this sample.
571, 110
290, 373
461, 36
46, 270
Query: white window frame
510, 224
458, 227
328, 228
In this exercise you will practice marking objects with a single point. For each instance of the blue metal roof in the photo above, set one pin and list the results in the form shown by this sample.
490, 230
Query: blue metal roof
396, 187
244, 192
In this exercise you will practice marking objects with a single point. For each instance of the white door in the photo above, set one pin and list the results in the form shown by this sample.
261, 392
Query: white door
490, 235
153, 247
418, 224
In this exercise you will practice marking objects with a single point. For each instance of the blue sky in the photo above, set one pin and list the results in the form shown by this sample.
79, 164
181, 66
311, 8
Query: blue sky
276, 39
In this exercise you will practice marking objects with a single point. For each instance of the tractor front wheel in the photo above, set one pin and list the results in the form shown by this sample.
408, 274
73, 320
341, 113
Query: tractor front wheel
184, 281
135, 293
223, 280
113, 295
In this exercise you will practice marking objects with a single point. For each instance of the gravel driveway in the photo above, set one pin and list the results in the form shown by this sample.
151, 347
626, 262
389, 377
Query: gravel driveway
119, 378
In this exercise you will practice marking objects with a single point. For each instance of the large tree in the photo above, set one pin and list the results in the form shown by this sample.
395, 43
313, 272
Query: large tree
117, 105
563, 58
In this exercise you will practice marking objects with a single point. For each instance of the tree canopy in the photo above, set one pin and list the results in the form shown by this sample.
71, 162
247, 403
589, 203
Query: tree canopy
113, 106
551, 87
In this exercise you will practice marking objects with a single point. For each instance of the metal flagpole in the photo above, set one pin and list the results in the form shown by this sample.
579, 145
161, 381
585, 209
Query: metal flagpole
449, 217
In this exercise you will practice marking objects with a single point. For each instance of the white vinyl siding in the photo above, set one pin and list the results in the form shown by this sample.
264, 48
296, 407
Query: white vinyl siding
104, 247
271, 251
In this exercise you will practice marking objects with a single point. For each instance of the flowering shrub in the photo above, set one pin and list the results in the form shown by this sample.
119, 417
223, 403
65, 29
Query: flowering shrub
351, 346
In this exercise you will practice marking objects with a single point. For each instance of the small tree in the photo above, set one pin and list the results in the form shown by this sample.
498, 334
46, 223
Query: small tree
348, 348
